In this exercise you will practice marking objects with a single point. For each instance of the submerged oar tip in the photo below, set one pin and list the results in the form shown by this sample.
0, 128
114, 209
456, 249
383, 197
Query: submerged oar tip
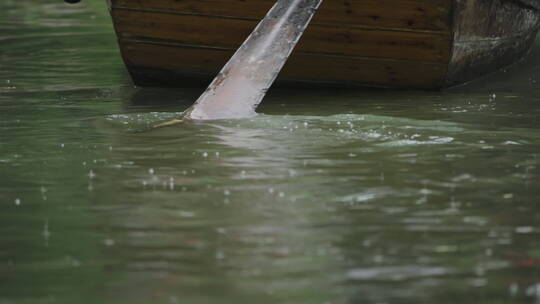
169, 123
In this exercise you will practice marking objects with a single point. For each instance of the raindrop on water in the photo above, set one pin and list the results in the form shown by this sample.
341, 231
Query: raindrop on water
46, 233
514, 289
378, 259
220, 255
508, 196
524, 230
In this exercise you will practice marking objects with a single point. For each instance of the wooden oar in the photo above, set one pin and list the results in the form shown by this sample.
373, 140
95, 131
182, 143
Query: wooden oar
242, 83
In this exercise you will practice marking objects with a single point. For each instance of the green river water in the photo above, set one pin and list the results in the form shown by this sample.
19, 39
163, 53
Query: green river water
329, 196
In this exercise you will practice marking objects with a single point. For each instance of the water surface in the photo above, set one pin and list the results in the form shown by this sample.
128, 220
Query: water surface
329, 196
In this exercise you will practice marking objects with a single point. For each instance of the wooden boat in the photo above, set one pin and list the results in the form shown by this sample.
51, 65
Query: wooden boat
428, 44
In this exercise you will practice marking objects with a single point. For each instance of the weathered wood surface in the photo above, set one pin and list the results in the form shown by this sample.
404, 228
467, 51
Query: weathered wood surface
490, 34
393, 43
399, 14
230, 33
535, 4
170, 64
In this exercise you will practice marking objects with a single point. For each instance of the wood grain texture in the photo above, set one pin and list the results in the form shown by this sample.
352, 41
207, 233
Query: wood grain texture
389, 43
416, 43
230, 33
400, 14
166, 64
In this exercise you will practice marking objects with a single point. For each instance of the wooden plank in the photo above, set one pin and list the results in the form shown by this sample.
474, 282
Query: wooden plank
190, 61
403, 14
229, 33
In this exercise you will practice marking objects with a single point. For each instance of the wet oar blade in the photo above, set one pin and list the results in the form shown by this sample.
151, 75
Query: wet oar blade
242, 83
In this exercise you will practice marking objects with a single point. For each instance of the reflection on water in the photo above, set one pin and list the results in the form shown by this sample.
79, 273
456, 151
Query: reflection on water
331, 196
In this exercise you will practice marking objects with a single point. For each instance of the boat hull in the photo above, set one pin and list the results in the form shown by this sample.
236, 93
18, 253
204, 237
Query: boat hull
426, 44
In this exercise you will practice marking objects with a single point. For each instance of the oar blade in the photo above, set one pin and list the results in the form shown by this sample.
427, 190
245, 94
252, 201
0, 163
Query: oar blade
242, 83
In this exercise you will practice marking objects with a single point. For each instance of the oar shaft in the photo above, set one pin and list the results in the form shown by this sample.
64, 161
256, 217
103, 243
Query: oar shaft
242, 83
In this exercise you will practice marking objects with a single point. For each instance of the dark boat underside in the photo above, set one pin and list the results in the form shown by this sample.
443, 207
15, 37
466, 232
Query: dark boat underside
427, 44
